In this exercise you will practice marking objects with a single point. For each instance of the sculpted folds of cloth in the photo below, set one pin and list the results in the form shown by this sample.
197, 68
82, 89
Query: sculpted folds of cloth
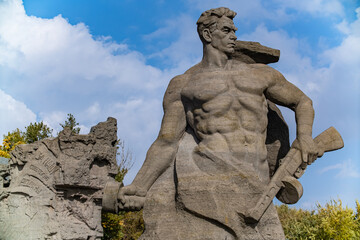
220, 143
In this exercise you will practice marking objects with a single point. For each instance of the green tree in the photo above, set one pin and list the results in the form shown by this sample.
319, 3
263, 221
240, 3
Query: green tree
10, 141
298, 224
332, 221
37, 131
34, 132
71, 123
337, 222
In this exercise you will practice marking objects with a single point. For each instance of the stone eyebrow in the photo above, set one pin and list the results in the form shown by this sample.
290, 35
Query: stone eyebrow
229, 27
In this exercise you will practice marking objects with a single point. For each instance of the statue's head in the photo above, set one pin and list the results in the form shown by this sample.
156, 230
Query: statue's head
215, 25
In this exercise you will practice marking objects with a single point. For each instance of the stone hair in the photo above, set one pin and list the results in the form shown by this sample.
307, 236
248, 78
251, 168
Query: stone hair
209, 18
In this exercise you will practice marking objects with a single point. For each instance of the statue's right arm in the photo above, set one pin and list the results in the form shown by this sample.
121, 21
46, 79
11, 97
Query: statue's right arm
162, 152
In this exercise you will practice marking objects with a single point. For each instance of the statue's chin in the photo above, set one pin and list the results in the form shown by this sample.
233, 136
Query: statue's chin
230, 52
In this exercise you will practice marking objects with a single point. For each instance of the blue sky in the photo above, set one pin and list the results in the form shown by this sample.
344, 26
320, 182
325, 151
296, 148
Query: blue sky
96, 59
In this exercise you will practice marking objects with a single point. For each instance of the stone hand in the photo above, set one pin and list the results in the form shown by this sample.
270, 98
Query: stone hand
308, 148
131, 198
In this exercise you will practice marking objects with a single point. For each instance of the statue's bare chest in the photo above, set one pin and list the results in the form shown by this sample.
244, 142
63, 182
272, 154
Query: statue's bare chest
208, 86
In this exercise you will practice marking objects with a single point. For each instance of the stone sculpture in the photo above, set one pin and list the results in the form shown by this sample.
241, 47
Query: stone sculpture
215, 167
56, 185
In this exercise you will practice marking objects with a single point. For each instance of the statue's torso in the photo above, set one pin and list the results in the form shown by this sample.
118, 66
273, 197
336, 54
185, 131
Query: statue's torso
227, 110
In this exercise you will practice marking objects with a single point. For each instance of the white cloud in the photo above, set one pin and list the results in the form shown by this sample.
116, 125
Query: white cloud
53, 120
185, 50
247, 11
277, 11
318, 7
14, 114
343, 27
138, 124
59, 68
93, 111
343, 84
345, 169
347, 54
49, 54
84, 129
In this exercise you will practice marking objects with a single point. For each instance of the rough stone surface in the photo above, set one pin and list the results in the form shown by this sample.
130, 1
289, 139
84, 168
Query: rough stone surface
166, 218
205, 201
220, 142
56, 186
222, 153
4, 172
254, 52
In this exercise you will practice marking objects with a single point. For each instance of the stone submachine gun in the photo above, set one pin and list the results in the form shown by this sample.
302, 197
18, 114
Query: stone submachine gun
284, 184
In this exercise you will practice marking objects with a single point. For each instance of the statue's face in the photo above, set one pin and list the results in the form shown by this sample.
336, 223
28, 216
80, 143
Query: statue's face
223, 37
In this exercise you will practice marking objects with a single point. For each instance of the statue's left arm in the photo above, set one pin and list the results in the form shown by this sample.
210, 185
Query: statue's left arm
162, 152
284, 93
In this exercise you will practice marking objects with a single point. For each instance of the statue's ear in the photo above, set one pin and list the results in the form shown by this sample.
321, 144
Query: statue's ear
206, 34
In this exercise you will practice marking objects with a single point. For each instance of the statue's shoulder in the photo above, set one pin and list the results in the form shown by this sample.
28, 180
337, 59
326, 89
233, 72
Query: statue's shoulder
266, 69
269, 73
180, 81
176, 85
194, 69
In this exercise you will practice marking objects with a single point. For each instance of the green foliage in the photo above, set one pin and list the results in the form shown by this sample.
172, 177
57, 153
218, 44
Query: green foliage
337, 222
34, 132
112, 224
133, 225
124, 226
298, 224
121, 174
71, 123
332, 221
11, 140
37, 131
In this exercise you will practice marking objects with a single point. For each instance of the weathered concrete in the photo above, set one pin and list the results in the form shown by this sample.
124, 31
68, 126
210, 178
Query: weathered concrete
56, 186
254, 52
4, 172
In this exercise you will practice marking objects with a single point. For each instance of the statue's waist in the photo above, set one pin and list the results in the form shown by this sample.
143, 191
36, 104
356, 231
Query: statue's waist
231, 124
236, 157
238, 149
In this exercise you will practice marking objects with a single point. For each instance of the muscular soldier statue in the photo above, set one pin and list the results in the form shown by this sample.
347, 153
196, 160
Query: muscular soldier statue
208, 165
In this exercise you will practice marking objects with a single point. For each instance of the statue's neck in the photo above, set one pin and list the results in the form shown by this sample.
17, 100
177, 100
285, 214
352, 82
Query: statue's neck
213, 58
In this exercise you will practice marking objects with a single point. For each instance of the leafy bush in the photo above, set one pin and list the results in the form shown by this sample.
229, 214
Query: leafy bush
337, 222
125, 225
332, 221
34, 132
298, 224
37, 131
71, 123
11, 140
